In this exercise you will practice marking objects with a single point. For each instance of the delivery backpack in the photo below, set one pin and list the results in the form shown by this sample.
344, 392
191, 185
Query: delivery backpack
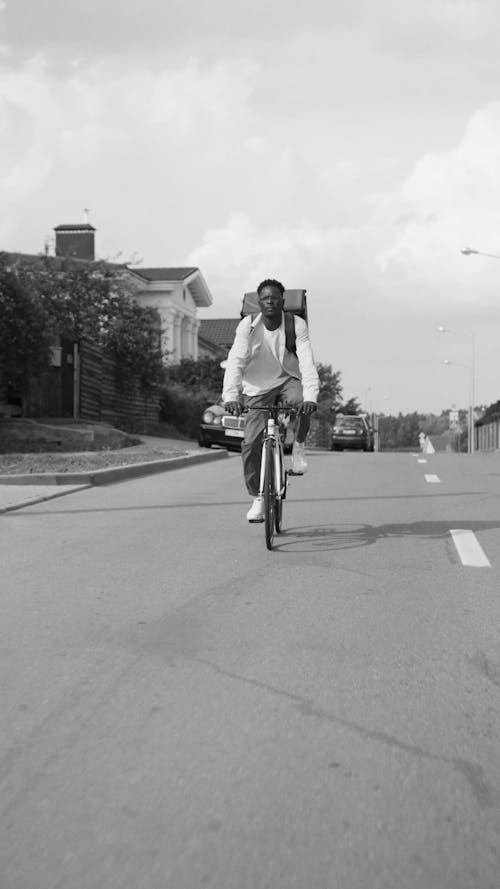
295, 303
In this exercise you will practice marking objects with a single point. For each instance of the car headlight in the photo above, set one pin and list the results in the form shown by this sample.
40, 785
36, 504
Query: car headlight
211, 419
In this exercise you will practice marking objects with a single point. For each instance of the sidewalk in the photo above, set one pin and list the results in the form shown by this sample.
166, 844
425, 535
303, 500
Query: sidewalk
17, 491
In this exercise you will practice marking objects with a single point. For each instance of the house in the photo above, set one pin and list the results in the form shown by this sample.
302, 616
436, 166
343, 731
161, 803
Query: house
216, 336
176, 292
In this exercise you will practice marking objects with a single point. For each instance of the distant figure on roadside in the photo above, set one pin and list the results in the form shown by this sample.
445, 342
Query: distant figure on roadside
426, 445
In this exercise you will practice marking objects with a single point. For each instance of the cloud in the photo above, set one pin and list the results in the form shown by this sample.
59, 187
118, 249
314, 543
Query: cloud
68, 28
379, 286
242, 252
451, 199
407, 239
104, 123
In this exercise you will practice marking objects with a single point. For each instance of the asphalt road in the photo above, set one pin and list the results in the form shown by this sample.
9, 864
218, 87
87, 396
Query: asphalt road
182, 708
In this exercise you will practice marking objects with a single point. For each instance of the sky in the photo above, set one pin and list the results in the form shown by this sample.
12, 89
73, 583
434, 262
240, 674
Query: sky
349, 147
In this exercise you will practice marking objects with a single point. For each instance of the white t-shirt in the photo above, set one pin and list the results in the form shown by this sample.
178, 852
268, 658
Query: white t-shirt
265, 372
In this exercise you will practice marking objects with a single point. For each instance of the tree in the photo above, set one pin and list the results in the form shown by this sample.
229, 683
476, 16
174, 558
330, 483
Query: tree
132, 336
330, 388
24, 329
491, 413
45, 297
352, 406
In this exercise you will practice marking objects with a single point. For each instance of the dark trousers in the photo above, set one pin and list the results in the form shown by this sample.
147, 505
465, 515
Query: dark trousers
289, 392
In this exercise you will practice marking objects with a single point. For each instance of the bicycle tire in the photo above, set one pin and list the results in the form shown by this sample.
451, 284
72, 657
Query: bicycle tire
269, 495
278, 516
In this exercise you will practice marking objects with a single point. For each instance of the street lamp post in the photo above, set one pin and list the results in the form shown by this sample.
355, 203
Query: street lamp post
471, 251
472, 382
470, 412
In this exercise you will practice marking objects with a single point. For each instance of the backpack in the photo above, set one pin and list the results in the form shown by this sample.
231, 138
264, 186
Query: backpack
295, 303
290, 337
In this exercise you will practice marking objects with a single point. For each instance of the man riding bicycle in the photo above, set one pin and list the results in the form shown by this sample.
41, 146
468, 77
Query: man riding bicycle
261, 369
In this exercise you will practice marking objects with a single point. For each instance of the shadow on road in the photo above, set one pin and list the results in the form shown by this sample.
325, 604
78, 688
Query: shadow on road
319, 538
58, 509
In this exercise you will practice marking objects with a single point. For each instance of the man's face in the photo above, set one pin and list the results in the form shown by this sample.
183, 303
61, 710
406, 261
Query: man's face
271, 302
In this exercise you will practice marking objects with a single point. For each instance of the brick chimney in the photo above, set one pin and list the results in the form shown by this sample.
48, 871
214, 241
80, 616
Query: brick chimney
76, 241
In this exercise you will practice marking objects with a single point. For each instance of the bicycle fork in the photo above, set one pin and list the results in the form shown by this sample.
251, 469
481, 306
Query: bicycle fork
271, 437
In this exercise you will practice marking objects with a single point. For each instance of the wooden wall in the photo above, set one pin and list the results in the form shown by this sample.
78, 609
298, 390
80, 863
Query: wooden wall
102, 399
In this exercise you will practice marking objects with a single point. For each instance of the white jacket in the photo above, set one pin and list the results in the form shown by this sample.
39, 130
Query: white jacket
245, 351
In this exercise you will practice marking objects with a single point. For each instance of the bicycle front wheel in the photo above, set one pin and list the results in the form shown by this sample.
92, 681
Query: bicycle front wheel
278, 515
269, 494
278, 509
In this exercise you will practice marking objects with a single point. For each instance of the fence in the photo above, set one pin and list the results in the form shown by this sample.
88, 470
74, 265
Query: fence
488, 436
102, 399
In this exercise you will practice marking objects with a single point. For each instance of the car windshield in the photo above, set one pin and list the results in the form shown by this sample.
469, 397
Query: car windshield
355, 422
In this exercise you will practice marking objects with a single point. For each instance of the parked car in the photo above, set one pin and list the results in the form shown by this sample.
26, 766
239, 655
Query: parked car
225, 431
352, 432
220, 428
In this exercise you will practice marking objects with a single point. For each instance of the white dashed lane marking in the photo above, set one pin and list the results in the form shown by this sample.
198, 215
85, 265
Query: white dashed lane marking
433, 479
469, 549
422, 461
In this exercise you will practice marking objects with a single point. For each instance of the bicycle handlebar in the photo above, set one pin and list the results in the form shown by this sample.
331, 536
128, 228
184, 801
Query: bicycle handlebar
273, 408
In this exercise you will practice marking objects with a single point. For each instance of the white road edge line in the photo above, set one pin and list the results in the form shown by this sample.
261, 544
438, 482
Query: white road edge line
433, 479
469, 549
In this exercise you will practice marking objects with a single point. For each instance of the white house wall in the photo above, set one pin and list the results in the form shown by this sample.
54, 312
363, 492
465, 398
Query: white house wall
179, 324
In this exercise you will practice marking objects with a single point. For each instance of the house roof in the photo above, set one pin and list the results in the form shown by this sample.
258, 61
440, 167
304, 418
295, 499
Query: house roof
219, 330
190, 276
177, 273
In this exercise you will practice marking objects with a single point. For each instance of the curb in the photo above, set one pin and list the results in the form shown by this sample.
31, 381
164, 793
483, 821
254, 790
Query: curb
31, 501
84, 480
113, 473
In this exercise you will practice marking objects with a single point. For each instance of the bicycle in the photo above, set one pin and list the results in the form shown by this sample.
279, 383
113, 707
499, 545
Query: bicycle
273, 472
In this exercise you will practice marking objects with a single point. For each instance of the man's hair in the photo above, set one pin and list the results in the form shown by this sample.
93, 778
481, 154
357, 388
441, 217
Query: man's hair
271, 282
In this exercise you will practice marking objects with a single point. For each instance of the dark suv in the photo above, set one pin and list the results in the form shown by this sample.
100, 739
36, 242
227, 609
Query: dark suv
352, 432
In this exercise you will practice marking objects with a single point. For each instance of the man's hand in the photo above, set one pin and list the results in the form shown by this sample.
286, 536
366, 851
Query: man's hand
233, 407
308, 407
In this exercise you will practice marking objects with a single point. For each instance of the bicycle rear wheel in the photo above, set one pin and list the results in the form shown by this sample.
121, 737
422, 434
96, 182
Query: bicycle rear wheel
269, 494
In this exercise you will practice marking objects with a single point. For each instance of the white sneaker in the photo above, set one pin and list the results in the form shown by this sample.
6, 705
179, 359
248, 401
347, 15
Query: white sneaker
256, 511
299, 464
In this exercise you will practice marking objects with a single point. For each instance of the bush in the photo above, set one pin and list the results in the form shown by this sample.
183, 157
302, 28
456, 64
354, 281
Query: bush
200, 375
183, 408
